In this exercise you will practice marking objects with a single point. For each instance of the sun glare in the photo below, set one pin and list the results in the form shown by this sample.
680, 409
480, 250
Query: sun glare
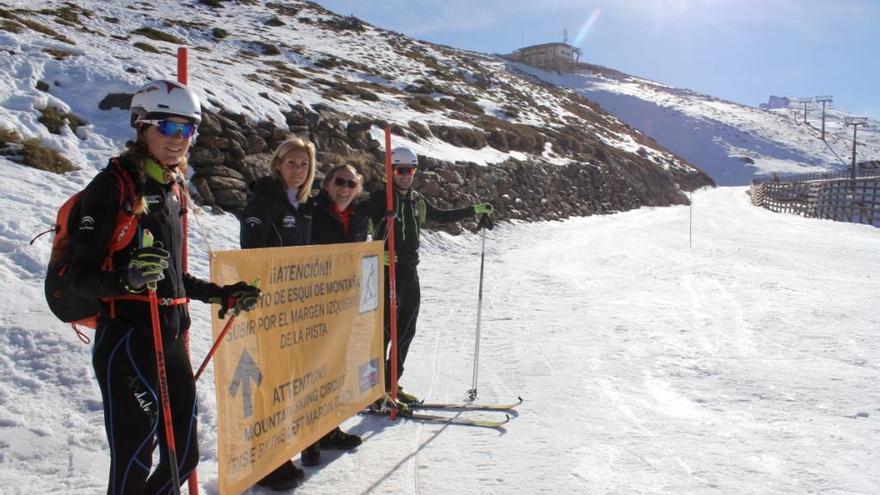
587, 27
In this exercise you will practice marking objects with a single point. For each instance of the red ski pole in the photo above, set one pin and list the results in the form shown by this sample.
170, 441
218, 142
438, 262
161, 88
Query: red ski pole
256, 283
392, 281
147, 241
215, 346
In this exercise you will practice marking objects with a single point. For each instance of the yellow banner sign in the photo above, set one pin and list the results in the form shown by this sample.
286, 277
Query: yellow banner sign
308, 357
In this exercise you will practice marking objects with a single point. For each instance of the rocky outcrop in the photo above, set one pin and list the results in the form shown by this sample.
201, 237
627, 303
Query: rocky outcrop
232, 151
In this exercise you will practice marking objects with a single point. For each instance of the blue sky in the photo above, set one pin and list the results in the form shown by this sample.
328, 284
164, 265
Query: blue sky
740, 50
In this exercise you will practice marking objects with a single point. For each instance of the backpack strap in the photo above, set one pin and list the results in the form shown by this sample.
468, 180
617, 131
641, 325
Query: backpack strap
179, 188
163, 301
126, 221
423, 211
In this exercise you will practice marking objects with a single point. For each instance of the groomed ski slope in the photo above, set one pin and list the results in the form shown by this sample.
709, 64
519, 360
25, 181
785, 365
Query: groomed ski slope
745, 364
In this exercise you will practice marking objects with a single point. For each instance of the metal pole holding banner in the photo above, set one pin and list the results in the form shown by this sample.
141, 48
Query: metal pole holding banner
392, 280
484, 224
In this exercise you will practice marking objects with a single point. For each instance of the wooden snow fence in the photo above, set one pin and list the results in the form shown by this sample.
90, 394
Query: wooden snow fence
831, 196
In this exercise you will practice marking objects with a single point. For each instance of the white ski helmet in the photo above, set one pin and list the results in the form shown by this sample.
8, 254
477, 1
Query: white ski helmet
165, 98
403, 157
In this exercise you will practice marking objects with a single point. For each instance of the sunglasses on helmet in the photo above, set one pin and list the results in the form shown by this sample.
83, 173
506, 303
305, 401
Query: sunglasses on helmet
404, 171
169, 128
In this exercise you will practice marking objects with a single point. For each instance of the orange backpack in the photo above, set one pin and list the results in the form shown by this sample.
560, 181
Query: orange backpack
64, 303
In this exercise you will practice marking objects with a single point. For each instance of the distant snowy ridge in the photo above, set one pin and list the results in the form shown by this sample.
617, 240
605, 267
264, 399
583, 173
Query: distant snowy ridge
731, 142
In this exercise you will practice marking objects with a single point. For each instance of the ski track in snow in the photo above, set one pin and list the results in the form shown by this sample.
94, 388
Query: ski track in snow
746, 364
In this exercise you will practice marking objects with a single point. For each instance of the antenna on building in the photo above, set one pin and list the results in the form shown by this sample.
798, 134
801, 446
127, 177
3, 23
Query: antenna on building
565, 35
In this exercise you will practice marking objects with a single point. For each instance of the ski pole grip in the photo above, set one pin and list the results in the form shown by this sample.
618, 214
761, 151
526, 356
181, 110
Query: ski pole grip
147, 241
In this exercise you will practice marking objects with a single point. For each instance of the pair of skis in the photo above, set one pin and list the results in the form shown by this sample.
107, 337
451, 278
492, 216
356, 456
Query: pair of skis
415, 414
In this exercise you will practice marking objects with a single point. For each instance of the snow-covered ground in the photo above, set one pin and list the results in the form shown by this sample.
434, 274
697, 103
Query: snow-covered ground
745, 364
729, 141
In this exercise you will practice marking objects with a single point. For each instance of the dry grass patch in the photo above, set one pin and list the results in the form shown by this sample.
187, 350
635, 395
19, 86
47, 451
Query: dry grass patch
34, 153
8, 136
38, 156
57, 54
337, 89
283, 9
419, 129
155, 34
146, 47
275, 22
465, 104
460, 136
267, 48
69, 14
54, 119
43, 29
423, 104
282, 69
11, 26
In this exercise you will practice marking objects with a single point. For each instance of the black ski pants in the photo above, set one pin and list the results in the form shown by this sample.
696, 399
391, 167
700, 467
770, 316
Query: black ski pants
124, 360
408, 299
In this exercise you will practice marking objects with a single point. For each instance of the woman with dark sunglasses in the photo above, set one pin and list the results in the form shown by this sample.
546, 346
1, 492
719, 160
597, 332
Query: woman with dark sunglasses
144, 185
338, 216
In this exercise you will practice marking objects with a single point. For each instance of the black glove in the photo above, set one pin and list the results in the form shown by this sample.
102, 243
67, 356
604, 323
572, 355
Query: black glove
238, 297
145, 267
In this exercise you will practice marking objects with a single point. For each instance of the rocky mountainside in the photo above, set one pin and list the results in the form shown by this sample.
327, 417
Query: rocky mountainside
267, 69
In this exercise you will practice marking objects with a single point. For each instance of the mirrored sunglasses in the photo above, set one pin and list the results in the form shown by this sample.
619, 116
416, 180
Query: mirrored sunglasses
404, 171
169, 128
351, 184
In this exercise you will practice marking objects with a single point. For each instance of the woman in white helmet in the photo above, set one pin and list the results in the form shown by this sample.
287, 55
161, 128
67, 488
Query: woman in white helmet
140, 189
411, 210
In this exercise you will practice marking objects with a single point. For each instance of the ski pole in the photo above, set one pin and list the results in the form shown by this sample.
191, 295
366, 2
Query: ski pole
484, 224
256, 283
392, 277
147, 241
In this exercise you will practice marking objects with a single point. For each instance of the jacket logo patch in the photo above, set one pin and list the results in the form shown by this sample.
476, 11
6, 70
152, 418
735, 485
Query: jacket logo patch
289, 222
252, 221
87, 223
153, 200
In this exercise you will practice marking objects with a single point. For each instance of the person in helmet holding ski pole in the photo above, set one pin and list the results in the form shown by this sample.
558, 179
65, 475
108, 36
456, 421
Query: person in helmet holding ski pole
411, 210
143, 184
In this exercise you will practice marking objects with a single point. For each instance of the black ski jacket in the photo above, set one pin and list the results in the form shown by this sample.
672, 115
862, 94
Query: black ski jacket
269, 220
411, 210
327, 227
98, 206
